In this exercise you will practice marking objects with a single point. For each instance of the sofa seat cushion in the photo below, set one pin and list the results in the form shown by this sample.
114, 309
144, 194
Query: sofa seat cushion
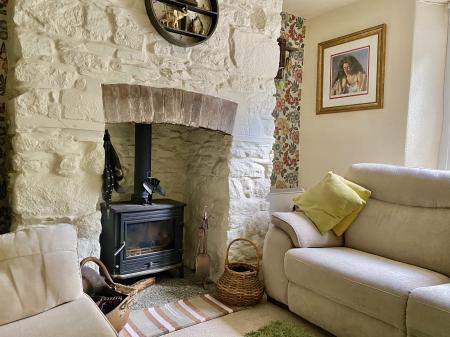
428, 313
373, 285
80, 318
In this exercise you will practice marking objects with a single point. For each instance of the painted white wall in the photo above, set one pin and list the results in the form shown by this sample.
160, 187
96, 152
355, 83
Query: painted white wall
426, 102
335, 141
311, 8
281, 201
444, 160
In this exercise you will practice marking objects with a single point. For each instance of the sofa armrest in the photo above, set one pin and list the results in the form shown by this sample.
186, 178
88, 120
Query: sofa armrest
303, 232
428, 311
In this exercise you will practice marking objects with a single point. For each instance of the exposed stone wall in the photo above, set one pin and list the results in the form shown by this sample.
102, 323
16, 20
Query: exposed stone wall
5, 148
61, 52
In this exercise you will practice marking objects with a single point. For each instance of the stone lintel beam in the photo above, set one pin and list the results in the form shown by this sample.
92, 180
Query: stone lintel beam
125, 103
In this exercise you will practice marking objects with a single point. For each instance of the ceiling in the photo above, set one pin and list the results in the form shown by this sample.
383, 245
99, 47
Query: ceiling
311, 8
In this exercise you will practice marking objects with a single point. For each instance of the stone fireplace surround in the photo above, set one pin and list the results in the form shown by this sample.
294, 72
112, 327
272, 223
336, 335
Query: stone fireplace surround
191, 151
61, 52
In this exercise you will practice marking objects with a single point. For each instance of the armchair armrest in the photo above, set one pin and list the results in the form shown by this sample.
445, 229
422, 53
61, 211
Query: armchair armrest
303, 232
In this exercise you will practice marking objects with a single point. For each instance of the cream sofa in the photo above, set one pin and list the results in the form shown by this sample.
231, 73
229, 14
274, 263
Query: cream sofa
387, 277
41, 292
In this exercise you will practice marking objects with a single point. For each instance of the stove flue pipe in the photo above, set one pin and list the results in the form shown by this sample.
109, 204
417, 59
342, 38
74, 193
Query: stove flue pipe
142, 161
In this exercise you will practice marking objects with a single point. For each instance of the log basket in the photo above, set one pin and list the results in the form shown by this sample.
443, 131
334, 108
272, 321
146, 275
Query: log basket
117, 314
239, 284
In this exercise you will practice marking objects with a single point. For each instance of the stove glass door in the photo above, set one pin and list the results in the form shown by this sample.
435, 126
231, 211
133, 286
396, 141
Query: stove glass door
149, 237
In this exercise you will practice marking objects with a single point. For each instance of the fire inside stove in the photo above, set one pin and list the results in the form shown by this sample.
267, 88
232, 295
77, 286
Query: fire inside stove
149, 237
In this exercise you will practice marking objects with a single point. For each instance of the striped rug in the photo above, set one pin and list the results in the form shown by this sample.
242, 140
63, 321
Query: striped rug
162, 319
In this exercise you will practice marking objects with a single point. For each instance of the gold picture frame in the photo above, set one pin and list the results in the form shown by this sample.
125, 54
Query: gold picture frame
348, 82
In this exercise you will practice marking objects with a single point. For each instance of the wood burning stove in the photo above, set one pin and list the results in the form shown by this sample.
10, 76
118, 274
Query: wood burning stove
142, 236
142, 239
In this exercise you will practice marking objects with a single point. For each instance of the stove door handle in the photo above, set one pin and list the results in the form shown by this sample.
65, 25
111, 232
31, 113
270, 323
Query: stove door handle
117, 252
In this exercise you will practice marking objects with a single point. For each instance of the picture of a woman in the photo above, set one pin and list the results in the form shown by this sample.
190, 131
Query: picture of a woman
350, 72
351, 78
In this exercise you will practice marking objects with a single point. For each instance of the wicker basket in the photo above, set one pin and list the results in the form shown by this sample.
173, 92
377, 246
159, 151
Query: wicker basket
118, 317
239, 284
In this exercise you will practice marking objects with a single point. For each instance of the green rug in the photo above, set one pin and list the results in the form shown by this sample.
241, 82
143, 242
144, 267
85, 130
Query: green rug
280, 329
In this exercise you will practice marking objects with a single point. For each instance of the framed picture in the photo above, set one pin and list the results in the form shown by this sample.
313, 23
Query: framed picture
351, 72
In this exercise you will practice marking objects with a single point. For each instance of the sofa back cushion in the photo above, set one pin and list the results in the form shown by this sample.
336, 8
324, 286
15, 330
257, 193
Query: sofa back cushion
38, 270
408, 217
403, 185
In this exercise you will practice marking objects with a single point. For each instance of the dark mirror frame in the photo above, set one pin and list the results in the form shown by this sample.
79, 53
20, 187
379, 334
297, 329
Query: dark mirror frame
166, 31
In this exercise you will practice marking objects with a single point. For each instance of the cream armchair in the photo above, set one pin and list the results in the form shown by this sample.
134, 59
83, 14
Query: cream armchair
388, 275
41, 291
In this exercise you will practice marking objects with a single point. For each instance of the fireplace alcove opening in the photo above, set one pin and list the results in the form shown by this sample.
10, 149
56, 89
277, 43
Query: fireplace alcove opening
193, 167
190, 155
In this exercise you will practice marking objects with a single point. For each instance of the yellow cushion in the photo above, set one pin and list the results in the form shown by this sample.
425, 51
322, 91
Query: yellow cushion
329, 202
364, 194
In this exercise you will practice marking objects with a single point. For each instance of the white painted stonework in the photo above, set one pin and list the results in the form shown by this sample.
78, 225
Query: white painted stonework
60, 53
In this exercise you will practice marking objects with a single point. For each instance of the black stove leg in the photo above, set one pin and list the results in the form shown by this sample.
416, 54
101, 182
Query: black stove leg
181, 271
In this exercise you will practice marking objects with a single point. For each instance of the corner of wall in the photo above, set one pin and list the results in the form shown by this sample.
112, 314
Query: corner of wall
5, 146
426, 99
444, 155
289, 105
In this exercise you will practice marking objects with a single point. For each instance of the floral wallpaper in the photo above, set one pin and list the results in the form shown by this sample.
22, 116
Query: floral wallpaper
4, 139
287, 112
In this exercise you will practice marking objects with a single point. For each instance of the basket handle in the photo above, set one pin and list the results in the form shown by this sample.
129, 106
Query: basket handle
227, 262
129, 301
102, 267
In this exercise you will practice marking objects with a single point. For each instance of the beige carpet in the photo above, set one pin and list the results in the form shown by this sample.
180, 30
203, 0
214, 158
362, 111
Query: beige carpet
239, 323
